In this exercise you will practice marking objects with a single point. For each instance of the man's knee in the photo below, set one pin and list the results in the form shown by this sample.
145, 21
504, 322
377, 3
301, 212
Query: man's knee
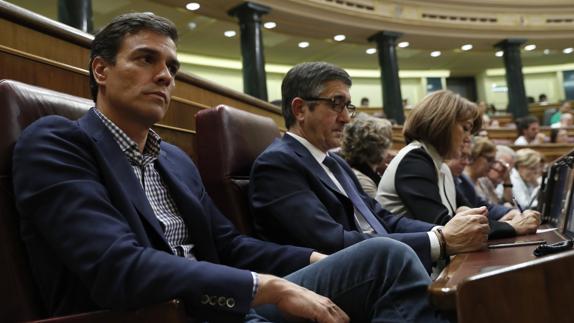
386, 248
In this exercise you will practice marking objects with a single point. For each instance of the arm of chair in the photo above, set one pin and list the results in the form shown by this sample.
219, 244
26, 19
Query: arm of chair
172, 311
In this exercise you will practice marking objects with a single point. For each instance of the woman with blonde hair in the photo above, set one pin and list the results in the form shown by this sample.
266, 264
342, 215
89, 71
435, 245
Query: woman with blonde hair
417, 182
365, 144
482, 159
526, 179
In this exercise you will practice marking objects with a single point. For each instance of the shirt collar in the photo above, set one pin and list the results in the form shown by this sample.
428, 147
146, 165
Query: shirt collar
127, 145
315, 152
436, 157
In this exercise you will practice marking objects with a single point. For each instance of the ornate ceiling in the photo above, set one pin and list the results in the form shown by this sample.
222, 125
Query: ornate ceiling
443, 25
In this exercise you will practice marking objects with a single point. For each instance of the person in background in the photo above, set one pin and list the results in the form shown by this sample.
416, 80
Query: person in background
529, 131
566, 121
542, 99
559, 136
566, 107
365, 144
466, 188
482, 157
526, 179
502, 192
417, 182
365, 102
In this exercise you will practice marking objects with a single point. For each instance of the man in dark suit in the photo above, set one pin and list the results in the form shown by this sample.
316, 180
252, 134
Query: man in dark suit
113, 217
302, 194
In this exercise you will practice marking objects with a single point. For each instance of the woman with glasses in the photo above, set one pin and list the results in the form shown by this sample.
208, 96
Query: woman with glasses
526, 179
417, 182
482, 159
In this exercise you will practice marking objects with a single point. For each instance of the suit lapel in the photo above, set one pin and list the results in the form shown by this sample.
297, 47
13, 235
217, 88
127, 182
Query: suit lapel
310, 162
190, 208
120, 168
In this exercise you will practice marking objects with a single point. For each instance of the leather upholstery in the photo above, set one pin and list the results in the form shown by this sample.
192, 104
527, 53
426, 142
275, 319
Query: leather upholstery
228, 142
20, 105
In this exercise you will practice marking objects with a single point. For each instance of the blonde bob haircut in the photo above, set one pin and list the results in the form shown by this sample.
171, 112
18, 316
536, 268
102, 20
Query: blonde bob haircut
527, 157
433, 119
481, 147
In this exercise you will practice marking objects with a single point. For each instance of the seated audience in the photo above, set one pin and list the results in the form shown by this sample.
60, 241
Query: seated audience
482, 157
365, 102
466, 188
566, 121
417, 182
529, 131
115, 218
526, 179
566, 107
319, 202
542, 99
365, 144
503, 190
559, 136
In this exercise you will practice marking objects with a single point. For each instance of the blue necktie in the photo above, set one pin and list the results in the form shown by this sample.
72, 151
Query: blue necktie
353, 194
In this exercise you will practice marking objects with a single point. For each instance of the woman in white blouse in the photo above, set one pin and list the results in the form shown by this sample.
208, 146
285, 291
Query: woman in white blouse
526, 177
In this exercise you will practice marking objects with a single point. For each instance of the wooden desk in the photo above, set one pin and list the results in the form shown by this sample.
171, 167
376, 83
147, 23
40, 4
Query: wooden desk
507, 284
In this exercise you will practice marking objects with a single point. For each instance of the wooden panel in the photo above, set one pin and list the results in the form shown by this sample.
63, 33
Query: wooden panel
549, 151
536, 291
182, 138
462, 267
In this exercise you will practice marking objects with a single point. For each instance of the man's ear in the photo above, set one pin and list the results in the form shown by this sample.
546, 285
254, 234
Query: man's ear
99, 70
297, 107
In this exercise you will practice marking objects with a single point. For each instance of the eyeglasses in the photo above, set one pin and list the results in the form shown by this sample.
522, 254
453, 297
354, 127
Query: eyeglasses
499, 166
338, 104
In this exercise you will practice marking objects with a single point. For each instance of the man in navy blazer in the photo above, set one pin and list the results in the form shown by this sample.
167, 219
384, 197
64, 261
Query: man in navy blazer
113, 217
298, 200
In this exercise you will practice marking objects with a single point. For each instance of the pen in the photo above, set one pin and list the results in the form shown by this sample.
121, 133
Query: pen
515, 244
517, 205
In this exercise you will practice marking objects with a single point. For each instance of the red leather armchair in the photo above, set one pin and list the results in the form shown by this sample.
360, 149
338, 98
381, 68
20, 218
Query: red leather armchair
228, 141
20, 105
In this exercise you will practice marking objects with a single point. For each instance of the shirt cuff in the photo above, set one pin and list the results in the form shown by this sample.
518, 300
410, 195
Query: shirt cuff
434, 244
255, 284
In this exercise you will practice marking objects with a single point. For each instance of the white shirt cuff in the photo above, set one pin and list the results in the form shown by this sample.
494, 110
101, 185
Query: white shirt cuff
434, 244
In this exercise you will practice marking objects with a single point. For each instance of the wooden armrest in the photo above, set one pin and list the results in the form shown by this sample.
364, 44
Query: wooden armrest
171, 311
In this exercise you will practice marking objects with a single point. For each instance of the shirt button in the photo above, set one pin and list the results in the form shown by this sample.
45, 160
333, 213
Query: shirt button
230, 303
204, 299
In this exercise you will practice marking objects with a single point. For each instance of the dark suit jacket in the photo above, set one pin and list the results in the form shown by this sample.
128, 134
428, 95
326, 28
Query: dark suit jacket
94, 241
464, 184
295, 202
417, 185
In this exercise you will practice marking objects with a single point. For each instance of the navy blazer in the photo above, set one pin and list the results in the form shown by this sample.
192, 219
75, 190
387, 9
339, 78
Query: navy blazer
94, 241
295, 202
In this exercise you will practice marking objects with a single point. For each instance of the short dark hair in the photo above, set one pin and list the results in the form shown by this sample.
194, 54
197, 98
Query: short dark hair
433, 119
108, 40
525, 122
306, 80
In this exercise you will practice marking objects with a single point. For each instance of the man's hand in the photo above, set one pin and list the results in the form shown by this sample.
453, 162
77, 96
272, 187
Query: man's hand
295, 301
316, 256
510, 215
525, 223
467, 231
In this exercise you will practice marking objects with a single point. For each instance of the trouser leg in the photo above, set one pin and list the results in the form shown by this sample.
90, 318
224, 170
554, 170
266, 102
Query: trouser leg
377, 280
